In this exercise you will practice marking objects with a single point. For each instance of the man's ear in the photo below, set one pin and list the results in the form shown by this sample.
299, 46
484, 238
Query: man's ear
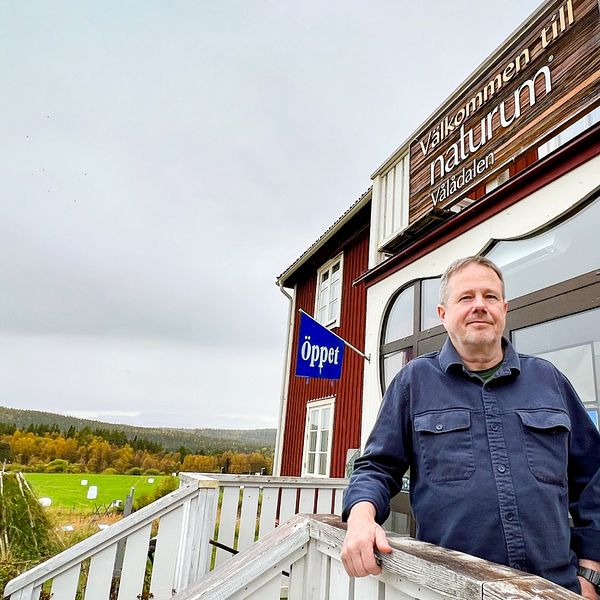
441, 311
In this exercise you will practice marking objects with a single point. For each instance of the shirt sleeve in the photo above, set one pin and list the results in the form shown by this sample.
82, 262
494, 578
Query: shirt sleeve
377, 475
584, 477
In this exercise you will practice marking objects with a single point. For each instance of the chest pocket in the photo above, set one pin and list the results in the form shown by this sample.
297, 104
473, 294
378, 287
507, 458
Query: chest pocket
445, 444
546, 439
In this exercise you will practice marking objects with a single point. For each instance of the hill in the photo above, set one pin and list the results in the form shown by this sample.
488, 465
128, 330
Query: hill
200, 441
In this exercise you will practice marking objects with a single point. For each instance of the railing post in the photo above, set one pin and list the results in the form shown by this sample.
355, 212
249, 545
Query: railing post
198, 530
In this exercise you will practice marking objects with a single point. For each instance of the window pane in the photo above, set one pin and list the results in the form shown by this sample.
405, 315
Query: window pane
324, 277
572, 344
323, 446
335, 269
312, 441
311, 462
325, 412
392, 363
322, 464
430, 290
314, 418
401, 315
567, 250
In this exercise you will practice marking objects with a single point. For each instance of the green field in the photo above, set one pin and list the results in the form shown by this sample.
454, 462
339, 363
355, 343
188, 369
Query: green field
67, 492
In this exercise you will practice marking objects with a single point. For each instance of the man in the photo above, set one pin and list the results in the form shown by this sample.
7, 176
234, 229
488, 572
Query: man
500, 449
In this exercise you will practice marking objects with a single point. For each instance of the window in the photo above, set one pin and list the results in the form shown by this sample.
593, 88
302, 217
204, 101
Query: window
558, 254
317, 438
329, 293
392, 197
569, 133
410, 327
572, 344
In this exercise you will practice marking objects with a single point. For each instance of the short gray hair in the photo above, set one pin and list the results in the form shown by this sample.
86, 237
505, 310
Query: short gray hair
459, 265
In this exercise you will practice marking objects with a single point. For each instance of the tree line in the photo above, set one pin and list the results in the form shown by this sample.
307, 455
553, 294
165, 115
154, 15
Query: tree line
44, 448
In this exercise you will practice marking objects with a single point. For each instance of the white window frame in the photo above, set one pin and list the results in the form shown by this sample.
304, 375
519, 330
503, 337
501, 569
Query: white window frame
392, 196
570, 132
330, 320
312, 407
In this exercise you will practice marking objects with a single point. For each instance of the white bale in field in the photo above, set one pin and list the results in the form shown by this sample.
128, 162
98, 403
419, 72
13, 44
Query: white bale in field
45, 502
84, 482
150, 479
92, 492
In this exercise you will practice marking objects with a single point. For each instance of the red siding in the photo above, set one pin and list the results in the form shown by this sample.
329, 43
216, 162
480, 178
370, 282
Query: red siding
348, 390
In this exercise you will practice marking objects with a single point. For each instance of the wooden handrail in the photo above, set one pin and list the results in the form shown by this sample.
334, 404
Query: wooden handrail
413, 567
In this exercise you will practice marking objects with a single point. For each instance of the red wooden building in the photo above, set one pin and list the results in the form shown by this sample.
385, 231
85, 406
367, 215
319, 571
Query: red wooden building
321, 418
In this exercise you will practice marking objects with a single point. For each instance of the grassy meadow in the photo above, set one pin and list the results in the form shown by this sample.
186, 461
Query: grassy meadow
67, 492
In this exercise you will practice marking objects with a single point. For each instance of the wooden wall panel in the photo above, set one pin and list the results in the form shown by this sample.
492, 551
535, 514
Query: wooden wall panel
348, 390
572, 64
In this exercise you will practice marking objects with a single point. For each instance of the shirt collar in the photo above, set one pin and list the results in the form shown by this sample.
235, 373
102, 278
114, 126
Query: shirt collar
449, 357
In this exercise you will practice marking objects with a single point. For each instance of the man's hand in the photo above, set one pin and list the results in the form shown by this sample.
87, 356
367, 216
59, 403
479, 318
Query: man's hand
587, 589
362, 538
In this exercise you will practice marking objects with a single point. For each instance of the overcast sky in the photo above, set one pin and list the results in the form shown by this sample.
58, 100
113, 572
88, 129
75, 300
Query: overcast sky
163, 162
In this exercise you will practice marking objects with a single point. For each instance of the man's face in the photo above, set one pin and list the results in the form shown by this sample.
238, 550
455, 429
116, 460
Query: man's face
475, 312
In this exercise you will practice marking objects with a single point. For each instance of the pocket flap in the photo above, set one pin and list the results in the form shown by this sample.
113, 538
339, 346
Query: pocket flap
443, 421
545, 419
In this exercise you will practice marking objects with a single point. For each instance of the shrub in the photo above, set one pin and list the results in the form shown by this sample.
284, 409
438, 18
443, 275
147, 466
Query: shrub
134, 471
110, 471
152, 472
166, 486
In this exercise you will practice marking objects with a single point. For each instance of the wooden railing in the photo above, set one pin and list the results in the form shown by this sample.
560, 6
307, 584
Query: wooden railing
252, 506
229, 510
183, 522
309, 546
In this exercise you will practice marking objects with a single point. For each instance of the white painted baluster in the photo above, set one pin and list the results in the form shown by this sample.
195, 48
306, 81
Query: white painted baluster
134, 564
307, 500
339, 583
268, 511
324, 502
29, 592
227, 522
248, 518
337, 508
288, 504
100, 574
199, 528
64, 586
367, 587
165, 556
269, 591
296, 588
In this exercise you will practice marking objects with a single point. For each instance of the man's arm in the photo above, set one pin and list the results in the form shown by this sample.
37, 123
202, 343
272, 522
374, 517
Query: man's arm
584, 487
364, 536
587, 588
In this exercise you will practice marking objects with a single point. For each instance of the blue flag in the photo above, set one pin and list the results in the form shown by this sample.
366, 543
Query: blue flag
320, 352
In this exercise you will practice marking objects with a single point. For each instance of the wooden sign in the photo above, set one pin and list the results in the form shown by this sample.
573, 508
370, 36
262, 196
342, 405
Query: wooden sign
547, 75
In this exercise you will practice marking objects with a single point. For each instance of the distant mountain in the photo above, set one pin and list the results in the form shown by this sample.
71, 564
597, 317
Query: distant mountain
198, 441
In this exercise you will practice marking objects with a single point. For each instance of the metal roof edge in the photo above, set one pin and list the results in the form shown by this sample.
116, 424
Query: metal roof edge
444, 106
362, 201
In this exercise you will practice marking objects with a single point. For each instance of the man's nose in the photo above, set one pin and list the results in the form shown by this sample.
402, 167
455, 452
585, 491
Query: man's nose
479, 303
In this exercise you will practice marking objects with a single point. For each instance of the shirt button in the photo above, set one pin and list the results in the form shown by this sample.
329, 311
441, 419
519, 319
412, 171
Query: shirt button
494, 426
439, 427
509, 517
502, 468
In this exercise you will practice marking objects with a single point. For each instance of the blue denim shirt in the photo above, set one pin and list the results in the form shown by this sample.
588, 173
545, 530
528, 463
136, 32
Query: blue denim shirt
495, 468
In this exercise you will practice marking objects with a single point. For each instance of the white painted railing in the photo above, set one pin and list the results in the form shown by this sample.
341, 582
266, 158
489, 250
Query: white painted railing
309, 546
183, 522
252, 506
232, 510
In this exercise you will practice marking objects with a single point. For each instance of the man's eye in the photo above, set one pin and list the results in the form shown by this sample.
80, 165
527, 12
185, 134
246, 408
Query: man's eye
463, 298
